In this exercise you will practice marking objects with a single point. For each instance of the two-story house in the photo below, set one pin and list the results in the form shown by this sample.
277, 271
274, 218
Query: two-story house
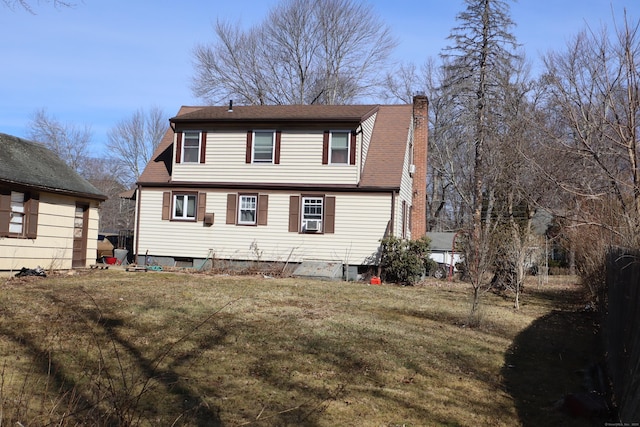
288, 183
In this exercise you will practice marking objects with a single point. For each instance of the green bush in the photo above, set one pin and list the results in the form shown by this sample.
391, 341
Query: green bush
405, 261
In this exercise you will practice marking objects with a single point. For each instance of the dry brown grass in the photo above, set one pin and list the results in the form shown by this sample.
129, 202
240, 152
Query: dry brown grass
107, 347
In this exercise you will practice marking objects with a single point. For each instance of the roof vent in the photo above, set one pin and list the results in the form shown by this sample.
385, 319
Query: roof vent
230, 110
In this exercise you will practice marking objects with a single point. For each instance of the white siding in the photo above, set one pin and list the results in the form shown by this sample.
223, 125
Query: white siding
300, 162
52, 249
367, 131
406, 190
361, 220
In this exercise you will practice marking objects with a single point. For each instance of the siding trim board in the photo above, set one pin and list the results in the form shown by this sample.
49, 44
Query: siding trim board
271, 186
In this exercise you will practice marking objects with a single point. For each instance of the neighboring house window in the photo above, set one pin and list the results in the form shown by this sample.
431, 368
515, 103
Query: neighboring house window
312, 214
184, 206
18, 214
247, 209
340, 147
16, 218
263, 143
191, 147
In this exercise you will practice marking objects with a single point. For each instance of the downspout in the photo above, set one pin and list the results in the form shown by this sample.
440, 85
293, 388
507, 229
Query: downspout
137, 233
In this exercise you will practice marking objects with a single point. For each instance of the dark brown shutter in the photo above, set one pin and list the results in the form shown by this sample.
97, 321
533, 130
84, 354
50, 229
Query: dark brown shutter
203, 146
202, 206
329, 215
31, 214
325, 147
294, 214
352, 148
166, 205
263, 208
5, 212
247, 157
231, 208
178, 147
276, 158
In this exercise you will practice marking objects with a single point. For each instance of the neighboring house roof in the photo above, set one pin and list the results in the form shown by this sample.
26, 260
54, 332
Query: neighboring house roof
32, 165
441, 241
383, 167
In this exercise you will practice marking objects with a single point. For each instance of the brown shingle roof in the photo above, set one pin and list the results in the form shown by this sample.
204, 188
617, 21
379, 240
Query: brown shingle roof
383, 167
277, 113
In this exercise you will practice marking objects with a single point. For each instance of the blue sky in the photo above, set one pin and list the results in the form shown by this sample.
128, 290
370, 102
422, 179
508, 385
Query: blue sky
97, 63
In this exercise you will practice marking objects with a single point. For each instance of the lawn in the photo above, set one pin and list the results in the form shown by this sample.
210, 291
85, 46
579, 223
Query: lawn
108, 347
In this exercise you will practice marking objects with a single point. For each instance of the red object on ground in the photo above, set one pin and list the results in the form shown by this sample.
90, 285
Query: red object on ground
110, 260
375, 280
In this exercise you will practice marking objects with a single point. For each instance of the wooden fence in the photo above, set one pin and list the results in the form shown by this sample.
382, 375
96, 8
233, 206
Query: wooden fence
621, 331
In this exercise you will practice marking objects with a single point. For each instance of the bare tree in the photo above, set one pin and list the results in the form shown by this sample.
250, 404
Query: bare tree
478, 61
133, 140
26, 5
592, 91
68, 141
305, 52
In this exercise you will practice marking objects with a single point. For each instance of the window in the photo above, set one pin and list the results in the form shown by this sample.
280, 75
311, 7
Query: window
191, 147
340, 147
312, 214
184, 206
247, 209
263, 146
16, 217
18, 214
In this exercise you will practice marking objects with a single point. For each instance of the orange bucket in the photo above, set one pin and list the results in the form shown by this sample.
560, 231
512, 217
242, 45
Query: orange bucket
375, 280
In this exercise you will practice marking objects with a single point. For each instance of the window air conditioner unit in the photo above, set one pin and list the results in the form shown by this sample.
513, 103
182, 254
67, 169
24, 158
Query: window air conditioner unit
412, 169
312, 225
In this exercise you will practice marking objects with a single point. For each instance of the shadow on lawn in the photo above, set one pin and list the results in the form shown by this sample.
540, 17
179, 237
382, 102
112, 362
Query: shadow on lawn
547, 361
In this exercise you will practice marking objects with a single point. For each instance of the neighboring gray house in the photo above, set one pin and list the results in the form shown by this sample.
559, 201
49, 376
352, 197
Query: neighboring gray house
48, 213
443, 253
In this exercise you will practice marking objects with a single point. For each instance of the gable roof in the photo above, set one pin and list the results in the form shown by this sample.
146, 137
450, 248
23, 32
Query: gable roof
385, 157
34, 166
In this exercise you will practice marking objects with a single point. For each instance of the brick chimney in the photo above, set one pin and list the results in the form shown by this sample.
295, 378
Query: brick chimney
420, 146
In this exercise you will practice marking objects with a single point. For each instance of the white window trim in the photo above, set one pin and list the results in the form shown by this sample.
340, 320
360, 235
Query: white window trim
273, 147
320, 227
184, 140
185, 197
331, 132
255, 210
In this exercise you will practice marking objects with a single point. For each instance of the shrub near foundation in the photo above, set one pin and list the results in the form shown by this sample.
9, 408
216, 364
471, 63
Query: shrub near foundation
405, 261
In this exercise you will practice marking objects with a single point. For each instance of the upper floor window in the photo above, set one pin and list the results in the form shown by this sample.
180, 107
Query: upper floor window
184, 206
247, 209
263, 143
191, 147
340, 147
